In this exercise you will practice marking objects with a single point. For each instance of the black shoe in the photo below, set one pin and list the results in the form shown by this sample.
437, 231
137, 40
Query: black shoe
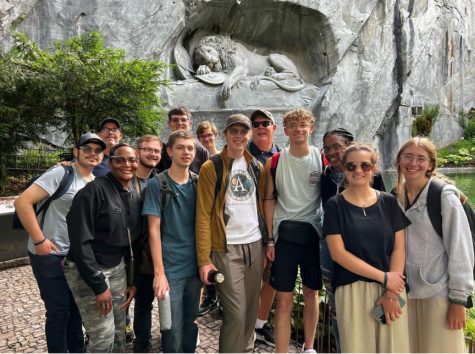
208, 304
141, 348
265, 335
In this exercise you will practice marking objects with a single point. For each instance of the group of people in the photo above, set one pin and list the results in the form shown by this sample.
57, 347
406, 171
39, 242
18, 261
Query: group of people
161, 217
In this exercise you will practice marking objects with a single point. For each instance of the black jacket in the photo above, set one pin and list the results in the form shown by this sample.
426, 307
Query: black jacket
97, 227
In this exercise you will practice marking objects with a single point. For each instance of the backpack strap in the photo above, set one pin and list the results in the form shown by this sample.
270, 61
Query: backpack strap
164, 189
218, 167
434, 208
63, 187
273, 169
194, 179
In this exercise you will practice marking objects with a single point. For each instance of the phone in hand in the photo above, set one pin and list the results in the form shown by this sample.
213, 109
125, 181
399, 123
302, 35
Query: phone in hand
378, 312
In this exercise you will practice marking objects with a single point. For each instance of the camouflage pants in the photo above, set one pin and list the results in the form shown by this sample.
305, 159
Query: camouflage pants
106, 333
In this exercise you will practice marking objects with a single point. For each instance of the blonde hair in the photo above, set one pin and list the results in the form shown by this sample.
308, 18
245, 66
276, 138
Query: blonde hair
146, 138
206, 125
299, 114
431, 150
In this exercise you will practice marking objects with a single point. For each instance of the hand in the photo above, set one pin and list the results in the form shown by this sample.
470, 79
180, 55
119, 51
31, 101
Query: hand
270, 253
65, 163
396, 282
456, 316
130, 293
204, 270
392, 309
226, 90
104, 302
45, 248
160, 286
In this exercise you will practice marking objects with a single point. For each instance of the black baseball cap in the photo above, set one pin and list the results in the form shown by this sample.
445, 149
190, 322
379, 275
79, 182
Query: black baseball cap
107, 120
90, 138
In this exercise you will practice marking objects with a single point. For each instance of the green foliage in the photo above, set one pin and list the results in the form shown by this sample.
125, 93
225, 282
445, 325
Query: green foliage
422, 125
460, 153
467, 122
73, 87
469, 330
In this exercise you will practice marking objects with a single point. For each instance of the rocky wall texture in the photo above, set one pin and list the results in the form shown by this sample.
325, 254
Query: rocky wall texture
365, 63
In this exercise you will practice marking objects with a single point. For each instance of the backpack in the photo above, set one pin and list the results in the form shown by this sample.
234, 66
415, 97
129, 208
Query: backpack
64, 185
434, 209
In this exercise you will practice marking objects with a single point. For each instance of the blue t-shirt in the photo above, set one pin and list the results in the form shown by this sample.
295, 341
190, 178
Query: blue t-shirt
178, 225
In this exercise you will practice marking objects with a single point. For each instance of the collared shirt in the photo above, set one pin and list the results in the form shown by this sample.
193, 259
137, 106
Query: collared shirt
260, 155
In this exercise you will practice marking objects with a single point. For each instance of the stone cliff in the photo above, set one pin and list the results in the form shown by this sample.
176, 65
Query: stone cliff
367, 65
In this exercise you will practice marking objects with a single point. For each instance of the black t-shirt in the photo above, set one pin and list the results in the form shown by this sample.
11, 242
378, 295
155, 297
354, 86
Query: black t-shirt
370, 238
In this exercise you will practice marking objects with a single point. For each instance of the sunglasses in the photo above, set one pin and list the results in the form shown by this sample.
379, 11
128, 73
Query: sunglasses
89, 150
122, 160
264, 123
365, 166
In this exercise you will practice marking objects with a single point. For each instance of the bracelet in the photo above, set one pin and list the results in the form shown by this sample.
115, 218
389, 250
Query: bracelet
270, 244
39, 242
385, 281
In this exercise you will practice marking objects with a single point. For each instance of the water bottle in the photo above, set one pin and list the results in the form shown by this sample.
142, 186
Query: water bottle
165, 313
215, 277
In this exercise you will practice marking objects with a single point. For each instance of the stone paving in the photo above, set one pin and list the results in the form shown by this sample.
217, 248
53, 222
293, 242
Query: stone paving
22, 318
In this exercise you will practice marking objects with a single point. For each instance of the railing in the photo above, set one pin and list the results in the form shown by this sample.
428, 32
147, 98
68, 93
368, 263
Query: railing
33, 160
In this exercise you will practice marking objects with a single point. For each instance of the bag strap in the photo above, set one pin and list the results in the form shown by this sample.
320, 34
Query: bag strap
164, 189
63, 187
218, 167
434, 208
273, 169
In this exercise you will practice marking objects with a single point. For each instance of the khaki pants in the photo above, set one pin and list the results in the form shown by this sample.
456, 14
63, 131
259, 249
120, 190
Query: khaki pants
242, 268
359, 330
428, 327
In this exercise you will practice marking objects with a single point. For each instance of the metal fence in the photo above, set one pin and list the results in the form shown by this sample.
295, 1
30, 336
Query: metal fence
34, 160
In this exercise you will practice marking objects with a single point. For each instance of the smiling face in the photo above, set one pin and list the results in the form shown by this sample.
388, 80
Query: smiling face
298, 131
179, 122
89, 155
111, 134
149, 153
263, 131
415, 163
237, 136
123, 164
359, 168
333, 147
208, 138
182, 152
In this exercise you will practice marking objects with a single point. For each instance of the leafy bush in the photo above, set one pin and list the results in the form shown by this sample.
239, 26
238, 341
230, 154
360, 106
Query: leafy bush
422, 125
460, 153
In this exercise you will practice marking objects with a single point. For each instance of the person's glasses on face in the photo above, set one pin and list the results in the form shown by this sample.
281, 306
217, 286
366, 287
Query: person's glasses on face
110, 130
410, 157
122, 160
352, 166
179, 120
264, 123
205, 136
334, 147
90, 150
237, 131
149, 150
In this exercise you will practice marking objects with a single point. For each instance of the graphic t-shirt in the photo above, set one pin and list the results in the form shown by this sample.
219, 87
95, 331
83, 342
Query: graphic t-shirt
240, 211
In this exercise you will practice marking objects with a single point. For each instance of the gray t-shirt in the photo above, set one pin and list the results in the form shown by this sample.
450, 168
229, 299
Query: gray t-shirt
55, 228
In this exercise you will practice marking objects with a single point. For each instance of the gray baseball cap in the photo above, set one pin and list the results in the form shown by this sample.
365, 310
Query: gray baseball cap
237, 119
262, 113
90, 138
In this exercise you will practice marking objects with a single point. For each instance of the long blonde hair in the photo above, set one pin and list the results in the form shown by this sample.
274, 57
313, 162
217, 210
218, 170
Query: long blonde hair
431, 150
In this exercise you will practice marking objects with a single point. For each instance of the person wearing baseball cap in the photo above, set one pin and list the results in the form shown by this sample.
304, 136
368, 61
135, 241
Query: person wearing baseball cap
49, 241
234, 247
109, 131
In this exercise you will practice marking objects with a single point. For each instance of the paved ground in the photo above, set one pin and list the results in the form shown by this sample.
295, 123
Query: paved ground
22, 318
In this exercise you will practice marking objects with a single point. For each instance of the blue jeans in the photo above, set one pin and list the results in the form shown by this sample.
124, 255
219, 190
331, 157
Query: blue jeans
143, 309
185, 302
63, 326
326, 264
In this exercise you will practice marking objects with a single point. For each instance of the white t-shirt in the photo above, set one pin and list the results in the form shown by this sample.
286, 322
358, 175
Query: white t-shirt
55, 228
297, 181
240, 209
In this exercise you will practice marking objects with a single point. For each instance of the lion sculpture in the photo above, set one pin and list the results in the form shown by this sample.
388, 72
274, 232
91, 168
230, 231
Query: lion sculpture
234, 62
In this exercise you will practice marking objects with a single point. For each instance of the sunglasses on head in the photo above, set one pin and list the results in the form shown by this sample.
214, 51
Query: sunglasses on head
264, 123
352, 166
122, 160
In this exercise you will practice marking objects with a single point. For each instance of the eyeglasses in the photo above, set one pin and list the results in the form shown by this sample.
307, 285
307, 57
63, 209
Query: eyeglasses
122, 160
411, 157
149, 150
89, 150
352, 166
110, 130
334, 147
179, 120
264, 123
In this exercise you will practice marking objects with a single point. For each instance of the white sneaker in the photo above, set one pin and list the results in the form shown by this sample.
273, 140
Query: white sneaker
311, 350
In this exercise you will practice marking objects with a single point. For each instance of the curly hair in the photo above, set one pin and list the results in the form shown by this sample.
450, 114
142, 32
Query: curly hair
299, 114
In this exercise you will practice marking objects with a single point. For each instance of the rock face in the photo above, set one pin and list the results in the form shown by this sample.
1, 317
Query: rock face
367, 64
